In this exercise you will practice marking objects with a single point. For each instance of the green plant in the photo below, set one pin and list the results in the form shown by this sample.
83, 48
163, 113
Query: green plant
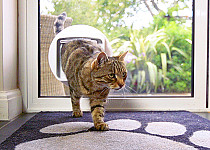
148, 59
179, 69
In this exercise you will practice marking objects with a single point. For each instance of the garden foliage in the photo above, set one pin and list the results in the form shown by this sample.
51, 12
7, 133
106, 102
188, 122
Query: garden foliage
159, 58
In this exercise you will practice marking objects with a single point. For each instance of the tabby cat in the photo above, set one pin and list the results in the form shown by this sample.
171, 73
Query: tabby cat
90, 72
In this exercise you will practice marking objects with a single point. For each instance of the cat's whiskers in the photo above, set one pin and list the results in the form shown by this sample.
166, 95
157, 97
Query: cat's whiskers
124, 91
130, 89
127, 90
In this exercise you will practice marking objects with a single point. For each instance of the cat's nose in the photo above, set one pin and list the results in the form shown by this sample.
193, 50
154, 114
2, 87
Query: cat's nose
121, 85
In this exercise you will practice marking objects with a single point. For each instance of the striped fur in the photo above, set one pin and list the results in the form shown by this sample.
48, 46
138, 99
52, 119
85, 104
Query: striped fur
91, 73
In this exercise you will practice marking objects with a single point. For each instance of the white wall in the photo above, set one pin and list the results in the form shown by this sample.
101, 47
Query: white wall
9, 44
10, 96
1, 49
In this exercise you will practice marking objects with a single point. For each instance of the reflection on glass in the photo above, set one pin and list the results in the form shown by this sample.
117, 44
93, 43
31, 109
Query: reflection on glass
157, 34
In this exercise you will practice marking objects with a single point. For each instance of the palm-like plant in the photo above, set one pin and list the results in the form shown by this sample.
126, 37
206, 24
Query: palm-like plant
146, 76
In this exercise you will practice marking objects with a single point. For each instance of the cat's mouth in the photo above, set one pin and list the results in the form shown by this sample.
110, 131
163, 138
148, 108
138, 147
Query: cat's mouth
118, 87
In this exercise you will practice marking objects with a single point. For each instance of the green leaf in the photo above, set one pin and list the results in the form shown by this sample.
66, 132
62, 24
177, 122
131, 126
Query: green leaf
152, 69
167, 48
180, 52
189, 41
143, 77
164, 63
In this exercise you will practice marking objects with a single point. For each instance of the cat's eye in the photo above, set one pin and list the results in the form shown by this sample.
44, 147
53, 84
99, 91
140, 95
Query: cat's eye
112, 75
124, 74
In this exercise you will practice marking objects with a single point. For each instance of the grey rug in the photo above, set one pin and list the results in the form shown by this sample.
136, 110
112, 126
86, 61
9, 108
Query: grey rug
128, 131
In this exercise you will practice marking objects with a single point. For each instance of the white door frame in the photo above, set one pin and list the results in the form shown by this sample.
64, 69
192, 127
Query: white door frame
28, 52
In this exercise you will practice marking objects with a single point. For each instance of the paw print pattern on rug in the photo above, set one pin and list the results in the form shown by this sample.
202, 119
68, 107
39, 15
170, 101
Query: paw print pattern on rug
122, 135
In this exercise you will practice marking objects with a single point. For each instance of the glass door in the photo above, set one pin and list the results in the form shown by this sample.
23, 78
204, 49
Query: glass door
167, 57
157, 34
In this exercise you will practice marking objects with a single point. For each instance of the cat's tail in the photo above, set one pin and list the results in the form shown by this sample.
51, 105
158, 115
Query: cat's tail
59, 23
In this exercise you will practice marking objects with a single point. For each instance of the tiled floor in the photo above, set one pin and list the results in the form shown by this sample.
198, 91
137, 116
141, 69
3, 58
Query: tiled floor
9, 127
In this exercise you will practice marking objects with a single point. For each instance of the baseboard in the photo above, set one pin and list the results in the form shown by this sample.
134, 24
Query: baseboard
10, 104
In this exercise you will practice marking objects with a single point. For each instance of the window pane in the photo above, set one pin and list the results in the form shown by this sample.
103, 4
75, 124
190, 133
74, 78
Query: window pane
157, 34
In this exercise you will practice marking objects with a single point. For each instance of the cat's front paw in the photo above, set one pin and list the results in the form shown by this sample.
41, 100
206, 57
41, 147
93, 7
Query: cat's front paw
102, 126
77, 114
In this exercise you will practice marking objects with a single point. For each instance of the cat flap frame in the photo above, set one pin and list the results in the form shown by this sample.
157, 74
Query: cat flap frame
71, 33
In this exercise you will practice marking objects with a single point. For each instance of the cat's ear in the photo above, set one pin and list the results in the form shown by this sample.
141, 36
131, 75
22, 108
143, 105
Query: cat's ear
122, 56
101, 59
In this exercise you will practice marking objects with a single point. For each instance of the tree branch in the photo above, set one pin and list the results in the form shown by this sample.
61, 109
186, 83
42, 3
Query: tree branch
146, 4
156, 6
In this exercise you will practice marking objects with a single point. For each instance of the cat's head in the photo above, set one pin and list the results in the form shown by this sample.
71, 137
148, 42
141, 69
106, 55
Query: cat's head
109, 71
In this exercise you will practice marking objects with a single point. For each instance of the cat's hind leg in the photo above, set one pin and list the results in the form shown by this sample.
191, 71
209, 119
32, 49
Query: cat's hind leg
75, 100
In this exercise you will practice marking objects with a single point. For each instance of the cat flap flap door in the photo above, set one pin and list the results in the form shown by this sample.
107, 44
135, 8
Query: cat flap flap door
70, 33
60, 42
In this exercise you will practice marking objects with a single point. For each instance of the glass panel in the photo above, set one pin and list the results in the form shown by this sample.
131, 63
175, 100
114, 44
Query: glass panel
157, 34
